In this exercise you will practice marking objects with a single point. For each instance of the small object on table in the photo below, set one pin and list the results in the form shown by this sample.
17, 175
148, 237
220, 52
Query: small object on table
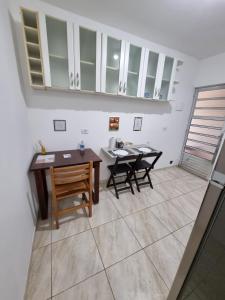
145, 150
43, 159
120, 152
43, 149
66, 155
119, 143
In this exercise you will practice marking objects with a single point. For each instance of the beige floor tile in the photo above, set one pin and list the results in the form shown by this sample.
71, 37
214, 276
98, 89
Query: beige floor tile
164, 174
150, 196
73, 260
136, 278
104, 211
184, 233
70, 225
115, 241
178, 172
170, 216
166, 255
189, 183
94, 288
187, 204
168, 190
43, 234
39, 280
146, 227
128, 203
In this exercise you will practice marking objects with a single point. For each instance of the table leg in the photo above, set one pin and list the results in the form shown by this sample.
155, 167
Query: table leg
96, 182
42, 192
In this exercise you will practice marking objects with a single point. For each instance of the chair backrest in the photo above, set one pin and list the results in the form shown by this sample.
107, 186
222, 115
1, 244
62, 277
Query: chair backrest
71, 174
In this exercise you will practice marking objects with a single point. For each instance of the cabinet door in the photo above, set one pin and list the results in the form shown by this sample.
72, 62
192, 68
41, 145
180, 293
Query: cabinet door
60, 53
113, 51
151, 74
134, 58
165, 89
87, 59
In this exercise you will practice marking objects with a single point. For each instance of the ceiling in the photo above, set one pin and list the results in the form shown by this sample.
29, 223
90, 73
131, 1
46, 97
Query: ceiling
195, 27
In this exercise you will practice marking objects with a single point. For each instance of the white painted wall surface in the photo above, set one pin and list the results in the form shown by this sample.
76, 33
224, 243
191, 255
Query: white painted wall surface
16, 219
163, 126
211, 71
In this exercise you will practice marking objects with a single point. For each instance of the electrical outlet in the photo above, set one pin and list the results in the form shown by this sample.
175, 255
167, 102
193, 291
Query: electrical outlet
84, 131
171, 162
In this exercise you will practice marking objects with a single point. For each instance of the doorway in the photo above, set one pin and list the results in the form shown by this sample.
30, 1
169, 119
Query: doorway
205, 130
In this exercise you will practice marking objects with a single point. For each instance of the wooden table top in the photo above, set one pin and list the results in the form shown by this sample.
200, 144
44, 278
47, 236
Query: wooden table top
77, 157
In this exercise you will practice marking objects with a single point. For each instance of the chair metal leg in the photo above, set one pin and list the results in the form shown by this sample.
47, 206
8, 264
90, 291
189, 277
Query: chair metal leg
136, 181
114, 184
129, 182
149, 179
110, 178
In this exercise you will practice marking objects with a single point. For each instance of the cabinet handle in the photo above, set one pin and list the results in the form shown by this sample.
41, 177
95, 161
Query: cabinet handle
77, 79
120, 86
124, 87
155, 92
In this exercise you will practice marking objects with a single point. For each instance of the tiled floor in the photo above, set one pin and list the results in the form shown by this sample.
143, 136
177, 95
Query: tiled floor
130, 248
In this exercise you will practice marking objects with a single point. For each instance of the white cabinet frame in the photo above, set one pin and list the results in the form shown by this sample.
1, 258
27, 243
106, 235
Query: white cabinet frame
104, 62
126, 65
76, 38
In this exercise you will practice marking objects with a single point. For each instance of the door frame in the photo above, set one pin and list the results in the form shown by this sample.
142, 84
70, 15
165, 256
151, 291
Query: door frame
196, 91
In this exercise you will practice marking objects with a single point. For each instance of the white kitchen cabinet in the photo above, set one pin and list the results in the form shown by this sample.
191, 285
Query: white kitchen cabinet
112, 71
133, 66
122, 65
68, 53
87, 45
158, 76
72, 55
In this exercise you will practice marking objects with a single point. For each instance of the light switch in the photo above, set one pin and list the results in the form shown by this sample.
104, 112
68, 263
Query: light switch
84, 131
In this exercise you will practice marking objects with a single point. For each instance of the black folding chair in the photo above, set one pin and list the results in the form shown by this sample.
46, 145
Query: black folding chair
116, 171
142, 165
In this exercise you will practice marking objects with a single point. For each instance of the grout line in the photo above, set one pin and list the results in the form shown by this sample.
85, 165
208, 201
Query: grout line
123, 217
102, 263
157, 271
81, 281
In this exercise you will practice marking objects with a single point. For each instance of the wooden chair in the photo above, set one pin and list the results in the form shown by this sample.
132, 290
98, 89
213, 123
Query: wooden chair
71, 181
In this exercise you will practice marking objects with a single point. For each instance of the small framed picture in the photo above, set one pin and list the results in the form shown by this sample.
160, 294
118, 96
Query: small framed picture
137, 124
59, 125
114, 123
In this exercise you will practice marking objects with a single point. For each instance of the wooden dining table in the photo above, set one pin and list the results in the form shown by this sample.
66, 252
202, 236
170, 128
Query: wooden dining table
77, 157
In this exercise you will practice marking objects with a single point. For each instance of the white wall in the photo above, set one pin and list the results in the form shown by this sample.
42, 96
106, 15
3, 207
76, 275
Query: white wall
163, 126
211, 71
16, 218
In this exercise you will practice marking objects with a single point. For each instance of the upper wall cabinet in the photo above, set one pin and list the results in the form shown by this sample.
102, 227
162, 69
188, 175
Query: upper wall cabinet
88, 59
158, 76
60, 53
72, 56
65, 54
133, 66
113, 52
121, 67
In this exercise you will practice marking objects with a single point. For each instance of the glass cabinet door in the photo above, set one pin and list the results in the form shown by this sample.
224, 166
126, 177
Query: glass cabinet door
131, 84
58, 52
150, 82
166, 78
87, 59
113, 62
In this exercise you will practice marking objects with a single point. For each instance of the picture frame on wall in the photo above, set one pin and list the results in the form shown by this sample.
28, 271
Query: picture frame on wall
137, 124
114, 123
59, 125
